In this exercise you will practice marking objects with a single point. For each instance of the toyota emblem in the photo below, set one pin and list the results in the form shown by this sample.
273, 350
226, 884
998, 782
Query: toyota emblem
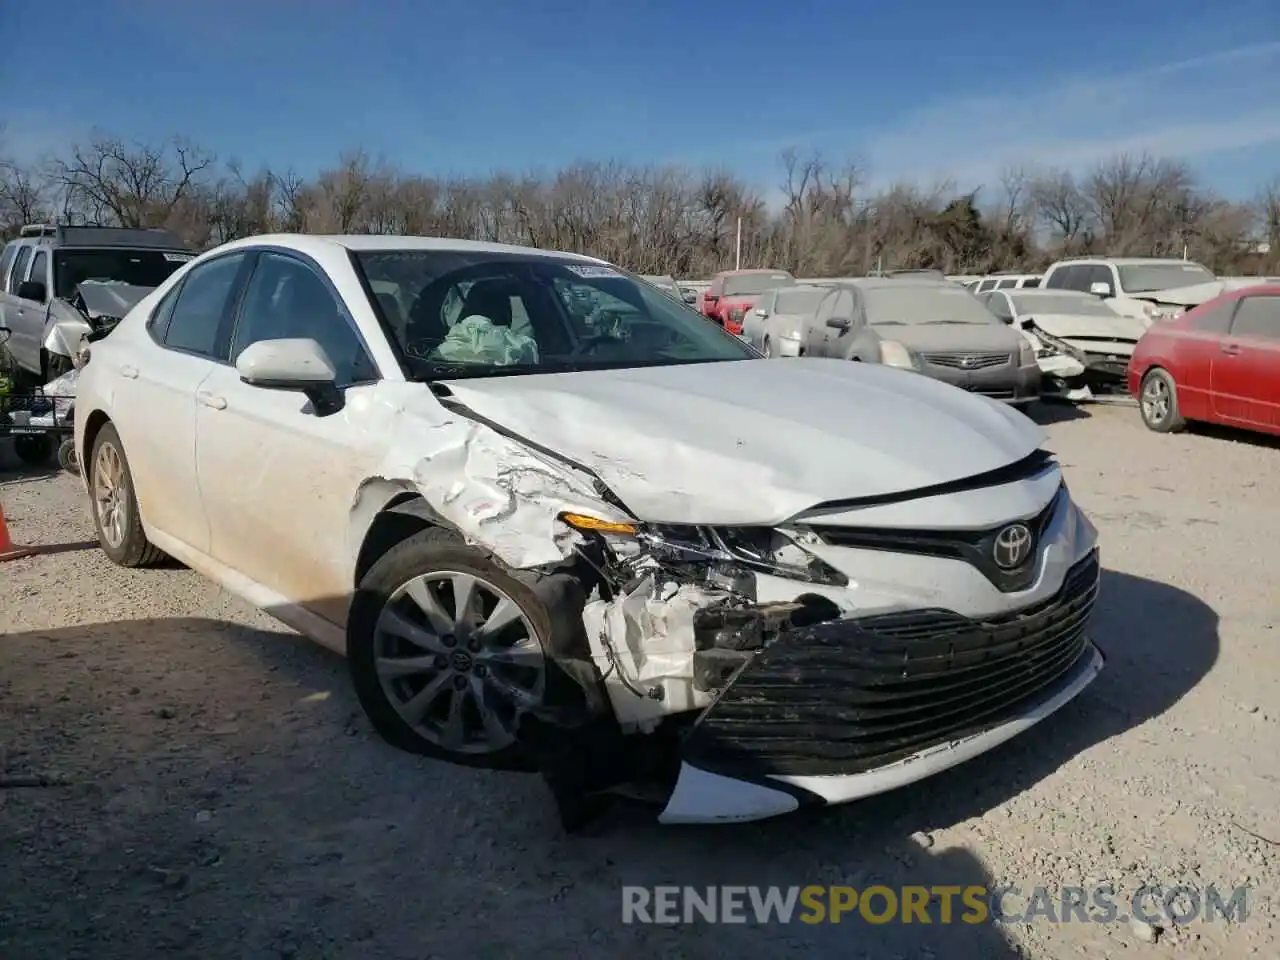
1012, 547
968, 362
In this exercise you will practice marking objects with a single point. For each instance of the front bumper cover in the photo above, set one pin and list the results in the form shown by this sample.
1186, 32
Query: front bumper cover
847, 708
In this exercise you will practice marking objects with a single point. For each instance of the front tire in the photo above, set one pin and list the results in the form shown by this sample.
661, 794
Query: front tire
115, 506
1158, 401
446, 650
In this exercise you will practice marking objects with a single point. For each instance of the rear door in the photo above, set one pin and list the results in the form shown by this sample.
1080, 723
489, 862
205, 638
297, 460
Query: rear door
155, 395
1246, 384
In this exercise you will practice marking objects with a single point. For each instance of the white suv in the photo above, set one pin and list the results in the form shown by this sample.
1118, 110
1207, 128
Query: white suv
558, 521
1146, 288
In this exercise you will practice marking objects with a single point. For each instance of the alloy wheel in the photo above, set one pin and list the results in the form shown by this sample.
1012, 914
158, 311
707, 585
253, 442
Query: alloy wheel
1155, 400
458, 660
110, 497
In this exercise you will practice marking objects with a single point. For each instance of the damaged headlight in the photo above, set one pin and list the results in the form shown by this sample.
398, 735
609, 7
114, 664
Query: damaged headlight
757, 549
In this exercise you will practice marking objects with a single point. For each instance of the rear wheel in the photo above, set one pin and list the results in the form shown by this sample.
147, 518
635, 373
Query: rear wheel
446, 652
1158, 401
115, 507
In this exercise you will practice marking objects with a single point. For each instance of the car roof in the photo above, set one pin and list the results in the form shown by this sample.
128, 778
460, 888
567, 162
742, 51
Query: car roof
897, 283
743, 273
1043, 292
1127, 261
315, 243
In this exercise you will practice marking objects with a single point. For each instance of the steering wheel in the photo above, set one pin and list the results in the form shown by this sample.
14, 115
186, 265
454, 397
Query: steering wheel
420, 349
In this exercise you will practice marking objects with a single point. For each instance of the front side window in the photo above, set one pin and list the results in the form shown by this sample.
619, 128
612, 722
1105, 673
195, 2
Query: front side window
1153, 277
135, 268
284, 300
40, 270
201, 306
486, 314
1257, 317
19, 269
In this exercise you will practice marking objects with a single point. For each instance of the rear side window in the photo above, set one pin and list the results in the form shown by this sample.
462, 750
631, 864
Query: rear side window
19, 269
1033, 282
201, 305
1007, 284
1257, 317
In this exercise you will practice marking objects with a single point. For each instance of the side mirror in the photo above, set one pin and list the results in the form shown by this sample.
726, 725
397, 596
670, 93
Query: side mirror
32, 290
760, 312
690, 297
299, 365
1100, 289
836, 323
4, 334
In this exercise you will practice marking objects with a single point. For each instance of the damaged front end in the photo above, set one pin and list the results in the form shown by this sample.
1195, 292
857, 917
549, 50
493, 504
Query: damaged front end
88, 315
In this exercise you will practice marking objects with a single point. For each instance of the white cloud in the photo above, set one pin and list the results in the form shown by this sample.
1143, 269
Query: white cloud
1198, 107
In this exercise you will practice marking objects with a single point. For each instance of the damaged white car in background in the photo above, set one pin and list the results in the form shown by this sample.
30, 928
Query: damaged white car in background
559, 522
1082, 345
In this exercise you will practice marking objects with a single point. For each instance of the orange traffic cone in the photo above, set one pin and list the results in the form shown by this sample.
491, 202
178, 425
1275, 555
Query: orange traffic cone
8, 549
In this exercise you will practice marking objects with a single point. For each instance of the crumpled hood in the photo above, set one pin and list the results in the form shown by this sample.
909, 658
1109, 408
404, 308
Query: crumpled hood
1189, 296
993, 337
755, 441
1067, 326
110, 299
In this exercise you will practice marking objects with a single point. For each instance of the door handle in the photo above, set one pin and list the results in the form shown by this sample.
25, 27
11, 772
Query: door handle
129, 372
1231, 349
209, 400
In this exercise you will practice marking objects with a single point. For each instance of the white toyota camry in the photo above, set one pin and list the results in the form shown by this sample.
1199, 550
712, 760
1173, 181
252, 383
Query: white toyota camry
557, 521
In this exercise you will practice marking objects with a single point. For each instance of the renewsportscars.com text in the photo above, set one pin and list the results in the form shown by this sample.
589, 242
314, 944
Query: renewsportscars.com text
930, 904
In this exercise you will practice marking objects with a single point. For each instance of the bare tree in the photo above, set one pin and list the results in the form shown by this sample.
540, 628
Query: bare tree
661, 219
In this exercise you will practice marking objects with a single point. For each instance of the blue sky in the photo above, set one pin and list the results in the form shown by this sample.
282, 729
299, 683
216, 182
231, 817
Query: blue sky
916, 91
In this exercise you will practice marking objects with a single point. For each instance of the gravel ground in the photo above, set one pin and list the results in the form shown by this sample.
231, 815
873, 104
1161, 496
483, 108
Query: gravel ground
209, 788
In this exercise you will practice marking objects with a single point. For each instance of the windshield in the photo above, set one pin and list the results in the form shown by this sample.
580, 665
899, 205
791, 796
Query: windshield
1083, 305
138, 268
799, 301
1148, 277
754, 284
461, 314
910, 305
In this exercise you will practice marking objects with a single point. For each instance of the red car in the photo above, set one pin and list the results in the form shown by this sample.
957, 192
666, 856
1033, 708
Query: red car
732, 293
1218, 363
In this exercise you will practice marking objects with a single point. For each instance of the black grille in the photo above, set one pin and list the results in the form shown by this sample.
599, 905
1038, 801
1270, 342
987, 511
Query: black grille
975, 547
968, 361
849, 696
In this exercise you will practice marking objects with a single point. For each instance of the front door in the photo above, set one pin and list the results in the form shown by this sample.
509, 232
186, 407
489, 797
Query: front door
279, 480
1245, 384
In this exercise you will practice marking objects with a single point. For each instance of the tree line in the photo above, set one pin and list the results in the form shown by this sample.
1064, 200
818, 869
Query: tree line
823, 220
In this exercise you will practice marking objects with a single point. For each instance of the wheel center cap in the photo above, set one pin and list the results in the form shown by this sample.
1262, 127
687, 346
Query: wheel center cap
460, 660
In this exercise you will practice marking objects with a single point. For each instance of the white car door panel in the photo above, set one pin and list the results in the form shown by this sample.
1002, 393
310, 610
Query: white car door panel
277, 480
155, 401
278, 483
154, 410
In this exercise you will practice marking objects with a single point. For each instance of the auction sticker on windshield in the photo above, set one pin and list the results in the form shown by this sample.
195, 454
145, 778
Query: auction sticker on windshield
593, 272
178, 257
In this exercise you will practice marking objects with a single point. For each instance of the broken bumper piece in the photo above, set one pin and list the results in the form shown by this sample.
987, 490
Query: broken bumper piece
850, 708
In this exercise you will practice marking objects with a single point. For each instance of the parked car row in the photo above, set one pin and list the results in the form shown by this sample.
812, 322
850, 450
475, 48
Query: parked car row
558, 522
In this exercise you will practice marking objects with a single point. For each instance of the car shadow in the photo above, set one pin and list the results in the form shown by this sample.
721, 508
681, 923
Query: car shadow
1233, 435
1048, 411
317, 821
